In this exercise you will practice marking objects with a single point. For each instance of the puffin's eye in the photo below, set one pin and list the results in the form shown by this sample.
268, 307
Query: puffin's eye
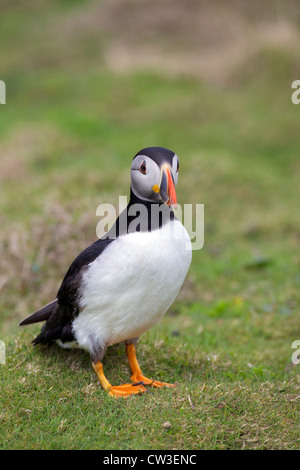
177, 166
143, 168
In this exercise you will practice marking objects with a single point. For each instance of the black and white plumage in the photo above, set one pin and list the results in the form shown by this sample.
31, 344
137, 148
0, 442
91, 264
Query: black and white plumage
119, 287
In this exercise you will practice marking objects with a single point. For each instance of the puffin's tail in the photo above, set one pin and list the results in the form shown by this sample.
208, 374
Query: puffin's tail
40, 315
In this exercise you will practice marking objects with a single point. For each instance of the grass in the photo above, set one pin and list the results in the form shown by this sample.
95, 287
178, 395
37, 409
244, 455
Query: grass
68, 132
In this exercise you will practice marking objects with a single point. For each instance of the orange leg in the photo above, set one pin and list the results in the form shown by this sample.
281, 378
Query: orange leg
137, 375
125, 390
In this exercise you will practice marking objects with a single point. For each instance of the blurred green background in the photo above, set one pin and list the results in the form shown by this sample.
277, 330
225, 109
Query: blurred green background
89, 83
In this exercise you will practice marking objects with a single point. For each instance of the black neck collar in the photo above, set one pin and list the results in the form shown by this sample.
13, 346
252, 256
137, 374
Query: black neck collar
143, 216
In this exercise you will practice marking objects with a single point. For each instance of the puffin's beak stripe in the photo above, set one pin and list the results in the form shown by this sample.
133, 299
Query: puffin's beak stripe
167, 187
171, 189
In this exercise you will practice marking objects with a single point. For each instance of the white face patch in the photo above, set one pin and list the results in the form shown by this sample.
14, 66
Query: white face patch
145, 173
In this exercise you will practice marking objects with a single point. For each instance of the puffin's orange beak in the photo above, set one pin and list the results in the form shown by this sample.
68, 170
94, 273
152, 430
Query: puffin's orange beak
171, 189
167, 187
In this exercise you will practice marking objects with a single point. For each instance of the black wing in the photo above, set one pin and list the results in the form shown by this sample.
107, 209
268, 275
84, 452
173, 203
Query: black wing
59, 324
70, 290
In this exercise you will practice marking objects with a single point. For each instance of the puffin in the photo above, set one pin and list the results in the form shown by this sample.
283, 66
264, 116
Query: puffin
123, 284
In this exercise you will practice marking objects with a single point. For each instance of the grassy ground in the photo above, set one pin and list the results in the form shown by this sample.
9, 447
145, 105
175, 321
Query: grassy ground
76, 114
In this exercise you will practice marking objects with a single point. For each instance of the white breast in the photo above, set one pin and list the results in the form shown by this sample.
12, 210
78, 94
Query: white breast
131, 285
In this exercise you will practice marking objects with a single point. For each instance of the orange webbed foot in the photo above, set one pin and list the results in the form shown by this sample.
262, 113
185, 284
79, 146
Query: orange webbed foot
137, 378
126, 390
137, 375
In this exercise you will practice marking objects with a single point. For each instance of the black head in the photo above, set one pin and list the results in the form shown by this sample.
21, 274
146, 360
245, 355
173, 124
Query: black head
158, 154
